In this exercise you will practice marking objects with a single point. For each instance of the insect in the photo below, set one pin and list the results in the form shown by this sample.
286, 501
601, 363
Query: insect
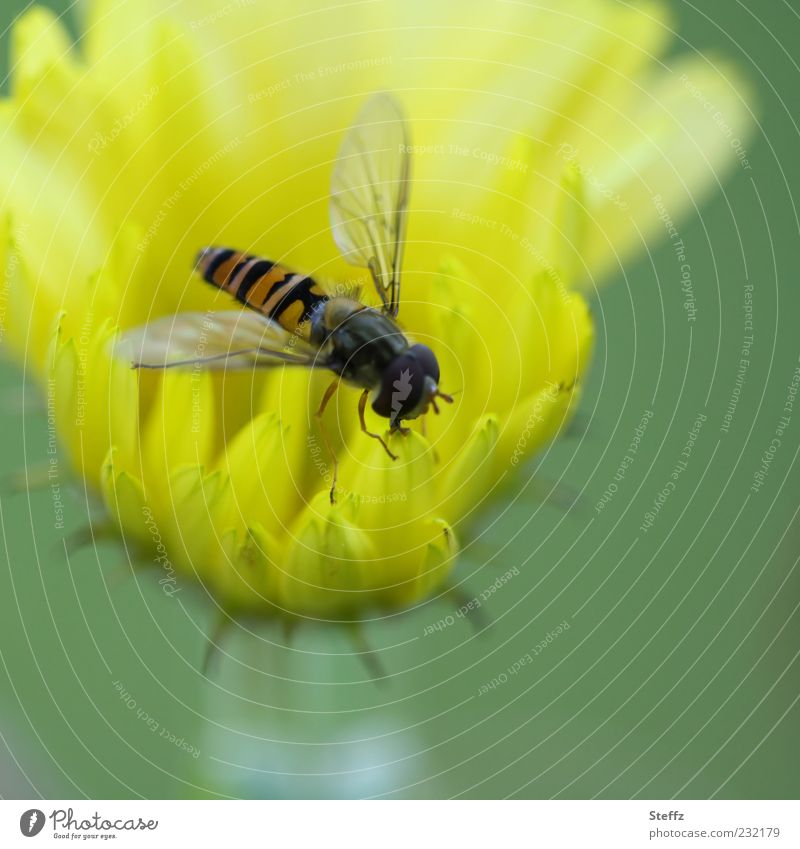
292, 321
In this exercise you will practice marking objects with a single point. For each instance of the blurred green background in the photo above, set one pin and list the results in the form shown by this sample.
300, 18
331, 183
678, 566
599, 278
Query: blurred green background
678, 675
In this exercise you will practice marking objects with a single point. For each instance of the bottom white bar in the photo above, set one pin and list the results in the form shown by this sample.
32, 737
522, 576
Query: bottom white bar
406, 824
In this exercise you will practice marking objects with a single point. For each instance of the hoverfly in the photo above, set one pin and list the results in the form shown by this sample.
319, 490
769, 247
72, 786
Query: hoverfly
292, 321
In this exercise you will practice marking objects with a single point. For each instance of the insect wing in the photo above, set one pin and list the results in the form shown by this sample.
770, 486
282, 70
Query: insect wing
369, 195
226, 340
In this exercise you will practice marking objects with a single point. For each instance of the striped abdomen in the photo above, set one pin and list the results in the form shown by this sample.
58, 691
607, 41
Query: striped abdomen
280, 294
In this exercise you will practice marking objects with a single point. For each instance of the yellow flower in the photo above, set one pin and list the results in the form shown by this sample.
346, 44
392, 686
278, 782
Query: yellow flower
542, 139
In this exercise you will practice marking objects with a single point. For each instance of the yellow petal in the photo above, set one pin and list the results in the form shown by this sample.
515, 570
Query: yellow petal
257, 572
39, 44
473, 473
331, 569
124, 498
28, 313
180, 426
535, 422
690, 125
184, 509
258, 491
544, 143
440, 558
61, 398
374, 480
572, 225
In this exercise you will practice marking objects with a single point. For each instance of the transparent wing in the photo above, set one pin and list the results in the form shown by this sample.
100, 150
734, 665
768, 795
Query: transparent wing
216, 340
369, 195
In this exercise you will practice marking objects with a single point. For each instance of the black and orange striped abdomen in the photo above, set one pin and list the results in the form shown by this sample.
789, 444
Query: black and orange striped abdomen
280, 294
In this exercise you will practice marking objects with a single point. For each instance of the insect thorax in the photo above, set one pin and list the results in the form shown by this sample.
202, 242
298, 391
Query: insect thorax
363, 341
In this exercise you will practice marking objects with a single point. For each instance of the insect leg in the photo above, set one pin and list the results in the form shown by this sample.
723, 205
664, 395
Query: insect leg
362, 405
329, 392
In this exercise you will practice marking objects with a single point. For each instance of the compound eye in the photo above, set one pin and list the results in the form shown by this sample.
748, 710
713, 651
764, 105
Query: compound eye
427, 359
402, 387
